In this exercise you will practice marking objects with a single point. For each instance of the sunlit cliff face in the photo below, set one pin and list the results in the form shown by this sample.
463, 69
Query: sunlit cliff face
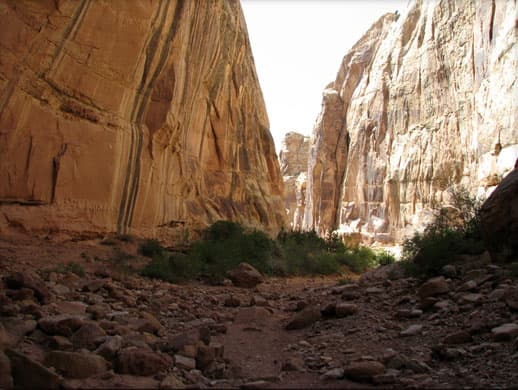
425, 100
144, 118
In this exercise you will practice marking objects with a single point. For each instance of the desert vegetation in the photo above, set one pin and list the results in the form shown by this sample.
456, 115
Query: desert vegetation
292, 253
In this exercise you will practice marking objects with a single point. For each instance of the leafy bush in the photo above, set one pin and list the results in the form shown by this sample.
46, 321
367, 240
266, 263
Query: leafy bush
150, 248
358, 259
226, 244
72, 267
385, 258
305, 253
454, 231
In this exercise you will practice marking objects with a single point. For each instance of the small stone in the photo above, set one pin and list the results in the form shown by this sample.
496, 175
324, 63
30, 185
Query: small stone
304, 318
333, 374
16, 329
346, 287
442, 352
110, 347
63, 324
29, 280
412, 330
76, 365
232, 301
471, 298
470, 285
187, 363
460, 337
64, 307
386, 379
152, 324
364, 370
433, 287
142, 362
449, 271
345, 309
258, 300
294, 364
205, 355
6, 380
171, 381
60, 289
442, 305
29, 374
374, 290
60, 343
255, 385
89, 336
505, 332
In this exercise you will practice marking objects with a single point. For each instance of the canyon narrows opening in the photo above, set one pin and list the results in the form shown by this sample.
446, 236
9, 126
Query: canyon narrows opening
150, 236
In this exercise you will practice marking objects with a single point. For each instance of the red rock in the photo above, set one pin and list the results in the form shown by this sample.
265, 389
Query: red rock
6, 380
304, 318
76, 365
29, 374
64, 324
136, 361
364, 370
433, 287
88, 336
31, 281
245, 276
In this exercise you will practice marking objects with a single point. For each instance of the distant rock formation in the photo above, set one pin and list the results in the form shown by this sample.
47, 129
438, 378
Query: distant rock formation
421, 102
293, 158
136, 117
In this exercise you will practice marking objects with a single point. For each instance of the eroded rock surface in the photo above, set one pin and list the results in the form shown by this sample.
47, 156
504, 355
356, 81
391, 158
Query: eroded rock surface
136, 117
293, 158
423, 100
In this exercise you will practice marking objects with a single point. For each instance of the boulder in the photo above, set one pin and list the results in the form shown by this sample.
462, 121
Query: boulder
29, 374
343, 309
88, 336
76, 365
433, 287
245, 276
505, 332
6, 380
136, 361
364, 370
30, 280
63, 324
304, 318
499, 220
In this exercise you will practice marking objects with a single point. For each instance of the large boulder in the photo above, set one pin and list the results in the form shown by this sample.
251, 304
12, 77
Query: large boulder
499, 218
245, 276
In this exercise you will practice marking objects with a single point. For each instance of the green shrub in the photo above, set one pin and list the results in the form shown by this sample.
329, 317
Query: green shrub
150, 248
453, 232
385, 258
358, 259
72, 267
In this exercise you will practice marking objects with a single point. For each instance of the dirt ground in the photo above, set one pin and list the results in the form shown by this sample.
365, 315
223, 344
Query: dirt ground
388, 335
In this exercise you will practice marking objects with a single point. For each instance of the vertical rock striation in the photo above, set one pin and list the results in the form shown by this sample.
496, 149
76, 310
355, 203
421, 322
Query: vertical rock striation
423, 101
141, 117
293, 158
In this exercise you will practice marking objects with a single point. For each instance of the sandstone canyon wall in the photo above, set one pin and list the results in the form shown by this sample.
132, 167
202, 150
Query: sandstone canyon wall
293, 158
423, 101
142, 117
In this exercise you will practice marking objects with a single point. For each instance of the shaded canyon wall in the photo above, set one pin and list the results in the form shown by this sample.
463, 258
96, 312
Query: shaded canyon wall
142, 117
423, 101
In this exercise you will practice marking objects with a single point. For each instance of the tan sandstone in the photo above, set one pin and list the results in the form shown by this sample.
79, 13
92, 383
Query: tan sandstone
423, 101
141, 117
